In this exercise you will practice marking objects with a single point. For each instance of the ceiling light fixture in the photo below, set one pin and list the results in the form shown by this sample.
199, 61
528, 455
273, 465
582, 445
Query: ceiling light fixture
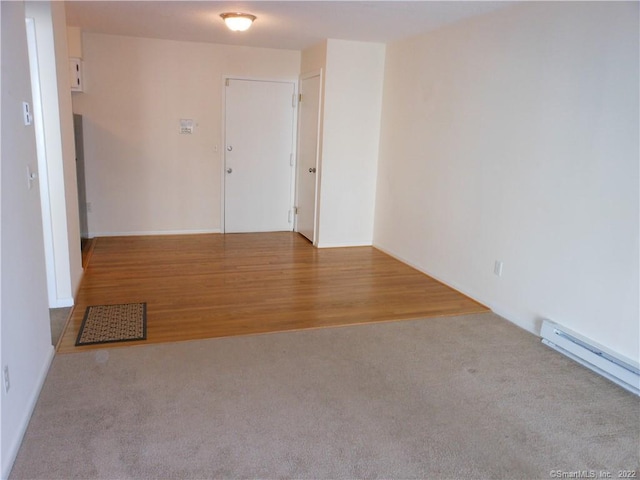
238, 22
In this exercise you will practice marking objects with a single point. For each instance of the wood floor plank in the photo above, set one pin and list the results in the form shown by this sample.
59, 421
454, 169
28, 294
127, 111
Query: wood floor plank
207, 286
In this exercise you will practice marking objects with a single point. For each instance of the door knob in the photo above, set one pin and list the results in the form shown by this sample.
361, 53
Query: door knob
229, 148
312, 170
229, 170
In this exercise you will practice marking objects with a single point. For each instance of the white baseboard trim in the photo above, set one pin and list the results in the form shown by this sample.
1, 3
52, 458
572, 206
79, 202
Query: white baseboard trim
344, 245
62, 303
531, 326
527, 324
153, 232
12, 452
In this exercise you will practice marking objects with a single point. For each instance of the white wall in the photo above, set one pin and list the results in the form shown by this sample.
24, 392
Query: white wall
24, 318
142, 176
72, 215
61, 197
74, 41
350, 134
314, 58
514, 137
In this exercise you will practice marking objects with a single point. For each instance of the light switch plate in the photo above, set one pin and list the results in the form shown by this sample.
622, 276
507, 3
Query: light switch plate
186, 126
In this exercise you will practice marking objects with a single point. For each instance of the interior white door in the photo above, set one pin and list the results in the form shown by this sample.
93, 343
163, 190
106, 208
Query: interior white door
259, 133
308, 115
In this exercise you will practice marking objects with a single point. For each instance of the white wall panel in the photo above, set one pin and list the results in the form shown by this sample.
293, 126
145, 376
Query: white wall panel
514, 137
142, 175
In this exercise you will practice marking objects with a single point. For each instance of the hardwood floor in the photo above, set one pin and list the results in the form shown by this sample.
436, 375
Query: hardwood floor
206, 286
87, 250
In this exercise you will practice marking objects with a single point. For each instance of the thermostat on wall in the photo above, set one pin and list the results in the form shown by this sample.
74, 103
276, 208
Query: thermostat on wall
186, 126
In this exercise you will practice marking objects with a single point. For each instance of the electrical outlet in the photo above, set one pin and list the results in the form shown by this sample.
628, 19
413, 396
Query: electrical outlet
7, 382
26, 114
89, 207
497, 268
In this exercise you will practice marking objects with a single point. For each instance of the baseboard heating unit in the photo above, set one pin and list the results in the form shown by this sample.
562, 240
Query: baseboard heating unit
623, 371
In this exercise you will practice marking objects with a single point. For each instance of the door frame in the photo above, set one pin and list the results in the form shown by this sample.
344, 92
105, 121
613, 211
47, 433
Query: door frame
223, 137
43, 175
316, 216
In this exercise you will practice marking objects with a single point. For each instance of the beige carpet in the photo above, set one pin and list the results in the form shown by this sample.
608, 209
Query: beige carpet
457, 397
58, 318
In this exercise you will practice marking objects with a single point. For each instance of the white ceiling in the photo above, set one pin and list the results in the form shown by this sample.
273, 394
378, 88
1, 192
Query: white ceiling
291, 25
